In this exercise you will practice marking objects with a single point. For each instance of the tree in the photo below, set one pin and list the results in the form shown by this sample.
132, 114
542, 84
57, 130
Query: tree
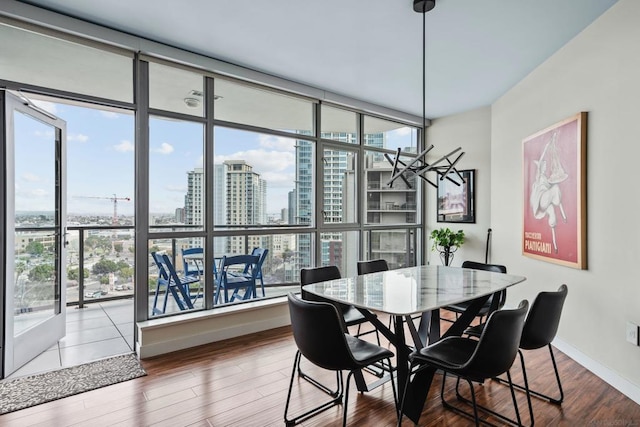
20, 268
42, 273
104, 266
73, 273
118, 246
125, 273
98, 242
35, 248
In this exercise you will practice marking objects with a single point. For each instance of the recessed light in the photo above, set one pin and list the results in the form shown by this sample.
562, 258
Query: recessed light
192, 102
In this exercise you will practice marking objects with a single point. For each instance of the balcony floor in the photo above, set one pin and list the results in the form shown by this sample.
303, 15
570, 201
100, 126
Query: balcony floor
101, 329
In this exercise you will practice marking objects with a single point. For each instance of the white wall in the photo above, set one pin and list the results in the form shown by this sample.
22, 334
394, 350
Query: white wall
597, 72
472, 132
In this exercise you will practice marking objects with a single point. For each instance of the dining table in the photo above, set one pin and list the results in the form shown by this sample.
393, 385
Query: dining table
404, 293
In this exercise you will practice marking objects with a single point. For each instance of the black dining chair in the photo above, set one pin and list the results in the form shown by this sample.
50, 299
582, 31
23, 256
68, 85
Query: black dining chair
350, 315
476, 360
319, 333
486, 309
372, 266
540, 329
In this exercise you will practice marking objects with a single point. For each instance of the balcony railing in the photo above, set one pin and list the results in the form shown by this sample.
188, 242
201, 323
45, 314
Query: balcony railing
100, 259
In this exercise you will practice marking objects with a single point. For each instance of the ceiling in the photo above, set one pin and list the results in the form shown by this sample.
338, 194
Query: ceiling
368, 50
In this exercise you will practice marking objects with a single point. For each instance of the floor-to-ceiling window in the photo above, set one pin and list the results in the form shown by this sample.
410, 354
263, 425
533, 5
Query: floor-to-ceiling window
223, 165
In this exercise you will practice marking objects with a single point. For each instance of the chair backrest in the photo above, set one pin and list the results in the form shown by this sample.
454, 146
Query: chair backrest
166, 269
189, 266
372, 266
163, 273
319, 274
543, 319
496, 268
318, 333
261, 253
499, 343
315, 275
243, 262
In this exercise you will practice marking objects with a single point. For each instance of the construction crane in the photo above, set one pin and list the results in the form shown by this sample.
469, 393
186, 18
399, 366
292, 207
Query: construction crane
114, 199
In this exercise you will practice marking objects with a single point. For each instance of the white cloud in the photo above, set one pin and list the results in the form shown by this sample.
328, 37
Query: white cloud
279, 180
402, 131
124, 146
165, 148
263, 162
47, 106
278, 142
30, 177
77, 137
109, 114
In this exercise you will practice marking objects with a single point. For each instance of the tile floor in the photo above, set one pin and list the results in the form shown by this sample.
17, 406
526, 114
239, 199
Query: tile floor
99, 330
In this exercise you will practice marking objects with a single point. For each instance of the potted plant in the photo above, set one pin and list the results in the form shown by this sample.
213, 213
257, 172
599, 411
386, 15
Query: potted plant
446, 242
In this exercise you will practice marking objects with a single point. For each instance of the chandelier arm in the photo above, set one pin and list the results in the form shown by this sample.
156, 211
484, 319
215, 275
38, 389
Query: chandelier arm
452, 166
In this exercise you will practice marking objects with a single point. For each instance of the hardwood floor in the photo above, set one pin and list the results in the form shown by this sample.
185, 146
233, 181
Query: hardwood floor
243, 382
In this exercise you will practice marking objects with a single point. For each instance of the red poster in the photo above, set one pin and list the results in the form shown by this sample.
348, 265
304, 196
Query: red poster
554, 221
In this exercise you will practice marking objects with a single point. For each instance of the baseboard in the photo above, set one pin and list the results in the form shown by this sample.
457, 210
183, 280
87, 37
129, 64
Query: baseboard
621, 384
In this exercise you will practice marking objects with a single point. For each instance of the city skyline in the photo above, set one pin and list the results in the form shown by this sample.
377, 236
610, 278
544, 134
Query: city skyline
100, 161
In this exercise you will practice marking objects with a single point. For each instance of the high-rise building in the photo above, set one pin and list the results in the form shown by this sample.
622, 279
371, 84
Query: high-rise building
193, 201
219, 206
179, 215
396, 204
383, 206
246, 202
291, 207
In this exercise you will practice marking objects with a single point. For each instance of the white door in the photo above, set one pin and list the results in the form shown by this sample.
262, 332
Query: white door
35, 228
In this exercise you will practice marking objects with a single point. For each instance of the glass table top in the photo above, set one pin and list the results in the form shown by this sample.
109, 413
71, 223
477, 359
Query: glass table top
413, 289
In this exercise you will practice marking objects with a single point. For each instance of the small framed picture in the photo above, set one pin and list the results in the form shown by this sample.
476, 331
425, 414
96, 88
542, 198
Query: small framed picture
456, 197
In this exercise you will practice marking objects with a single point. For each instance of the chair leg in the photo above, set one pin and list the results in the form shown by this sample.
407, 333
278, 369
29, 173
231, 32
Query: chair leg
515, 402
346, 401
321, 386
336, 400
156, 310
456, 409
477, 406
524, 388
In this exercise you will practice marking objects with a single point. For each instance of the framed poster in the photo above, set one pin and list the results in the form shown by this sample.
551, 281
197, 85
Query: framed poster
554, 177
456, 197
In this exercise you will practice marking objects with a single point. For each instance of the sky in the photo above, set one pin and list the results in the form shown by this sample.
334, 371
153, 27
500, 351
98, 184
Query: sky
100, 160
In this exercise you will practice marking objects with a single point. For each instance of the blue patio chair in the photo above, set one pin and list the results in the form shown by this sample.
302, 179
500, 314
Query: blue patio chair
193, 261
262, 254
231, 277
171, 283
193, 265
